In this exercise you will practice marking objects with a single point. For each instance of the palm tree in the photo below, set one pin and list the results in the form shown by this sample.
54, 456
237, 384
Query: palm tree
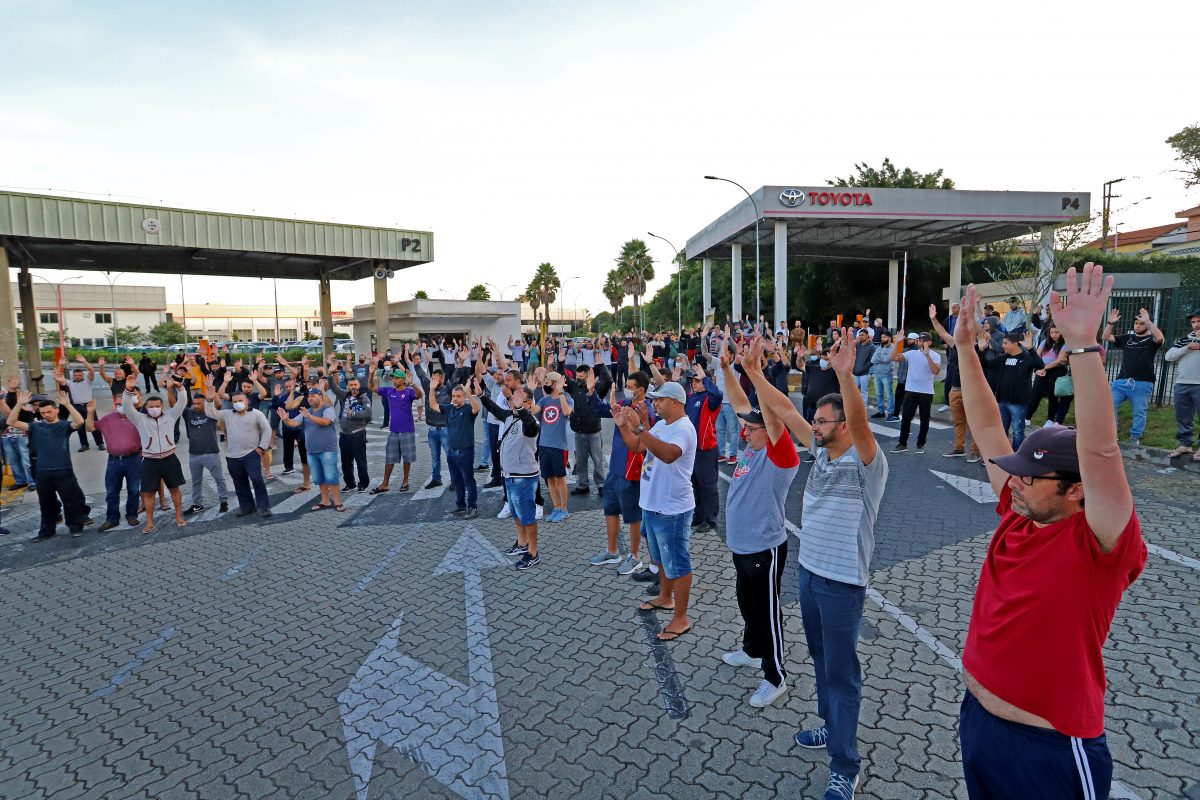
614, 291
542, 289
635, 268
479, 292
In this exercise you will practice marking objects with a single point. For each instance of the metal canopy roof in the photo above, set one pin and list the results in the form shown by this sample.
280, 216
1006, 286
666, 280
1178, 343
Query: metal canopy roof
863, 223
72, 233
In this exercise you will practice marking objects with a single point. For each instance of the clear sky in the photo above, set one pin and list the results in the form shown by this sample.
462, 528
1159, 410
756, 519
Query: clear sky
522, 132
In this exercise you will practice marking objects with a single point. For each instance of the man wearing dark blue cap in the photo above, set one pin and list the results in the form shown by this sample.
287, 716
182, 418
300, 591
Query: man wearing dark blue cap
1053, 576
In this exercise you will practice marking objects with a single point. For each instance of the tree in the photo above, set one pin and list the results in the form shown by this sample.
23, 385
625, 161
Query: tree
1187, 149
614, 290
888, 177
542, 290
1016, 263
131, 334
635, 268
421, 295
165, 333
309, 336
479, 292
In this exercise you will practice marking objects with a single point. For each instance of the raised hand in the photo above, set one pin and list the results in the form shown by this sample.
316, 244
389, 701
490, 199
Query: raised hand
81, 359
63, 398
100, 361
282, 412
1114, 317
1086, 299
933, 311
91, 406
966, 330
841, 355
23, 398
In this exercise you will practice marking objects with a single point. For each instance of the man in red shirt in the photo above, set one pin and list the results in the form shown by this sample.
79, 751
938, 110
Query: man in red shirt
1032, 720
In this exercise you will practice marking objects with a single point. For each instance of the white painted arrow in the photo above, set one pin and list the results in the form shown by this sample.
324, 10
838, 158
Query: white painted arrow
450, 729
979, 491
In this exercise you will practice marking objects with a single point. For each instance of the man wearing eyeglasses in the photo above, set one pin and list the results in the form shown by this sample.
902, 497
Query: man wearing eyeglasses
1055, 570
841, 503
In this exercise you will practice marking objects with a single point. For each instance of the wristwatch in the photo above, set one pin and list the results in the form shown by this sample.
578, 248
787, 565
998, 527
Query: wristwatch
1092, 349
640, 428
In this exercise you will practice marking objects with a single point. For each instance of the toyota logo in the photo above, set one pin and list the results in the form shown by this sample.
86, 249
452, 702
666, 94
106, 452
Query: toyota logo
791, 197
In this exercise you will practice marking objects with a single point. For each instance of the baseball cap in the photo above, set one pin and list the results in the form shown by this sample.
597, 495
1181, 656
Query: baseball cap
671, 390
314, 390
398, 373
1194, 313
753, 415
41, 398
1044, 450
912, 337
924, 336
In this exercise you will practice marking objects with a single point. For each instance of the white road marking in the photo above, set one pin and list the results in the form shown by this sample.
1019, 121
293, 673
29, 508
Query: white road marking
884, 430
979, 491
1171, 555
429, 494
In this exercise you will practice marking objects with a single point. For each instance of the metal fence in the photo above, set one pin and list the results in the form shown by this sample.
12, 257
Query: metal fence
1167, 308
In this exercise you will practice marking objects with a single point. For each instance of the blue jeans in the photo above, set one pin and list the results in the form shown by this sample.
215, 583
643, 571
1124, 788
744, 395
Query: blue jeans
246, 473
1013, 414
832, 612
863, 382
16, 455
126, 470
1187, 405
884, 397
729, 431
1138, 395
668, 536
439, 440
462, 475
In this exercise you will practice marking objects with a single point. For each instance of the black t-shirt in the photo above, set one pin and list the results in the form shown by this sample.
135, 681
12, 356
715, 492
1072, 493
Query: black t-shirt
1140, 352
1015, 379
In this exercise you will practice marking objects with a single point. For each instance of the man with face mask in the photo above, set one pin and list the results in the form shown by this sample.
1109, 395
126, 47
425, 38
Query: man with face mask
50, 438
354, 413
247, 436
156, 429
204, 453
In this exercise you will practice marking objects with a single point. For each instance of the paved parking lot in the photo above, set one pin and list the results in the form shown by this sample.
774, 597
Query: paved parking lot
392, 652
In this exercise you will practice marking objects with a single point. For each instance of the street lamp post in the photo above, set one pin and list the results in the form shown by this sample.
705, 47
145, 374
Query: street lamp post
562, 296
678, 282
501, 291
757, 260
62, 339
112, 299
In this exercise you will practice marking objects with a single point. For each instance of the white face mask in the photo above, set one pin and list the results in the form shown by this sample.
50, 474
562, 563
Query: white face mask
824, 363
154, 412
628, 394
239, 405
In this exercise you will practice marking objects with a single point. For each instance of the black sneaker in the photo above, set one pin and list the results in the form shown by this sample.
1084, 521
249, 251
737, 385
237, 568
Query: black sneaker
266, 513
131, 522
84, 449
482, 468
492, 485
516, 550
581, 490
891, 418
192, 509
920, 449
652, 589
472, 513
528, 562
900, 448
363, 488
75, 534
349, 487
107, 525
458, 512
704, 527
433, 484
102, 447
878, 415
224, 507
645, 575
245, 512
41, 537
289, 470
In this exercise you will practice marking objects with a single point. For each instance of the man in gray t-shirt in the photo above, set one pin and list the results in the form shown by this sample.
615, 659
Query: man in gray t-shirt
203, 454
841, 502
756, 533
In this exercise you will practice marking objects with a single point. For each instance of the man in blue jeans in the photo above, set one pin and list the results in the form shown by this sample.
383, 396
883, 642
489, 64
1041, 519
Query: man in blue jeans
460, 455
1135, 381
438, 436
124, 465
841, 503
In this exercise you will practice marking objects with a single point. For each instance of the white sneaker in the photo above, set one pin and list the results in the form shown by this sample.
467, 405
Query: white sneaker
738, 658
1049, 423
505, 512
538, 514
943, 408
766, 694
629, 565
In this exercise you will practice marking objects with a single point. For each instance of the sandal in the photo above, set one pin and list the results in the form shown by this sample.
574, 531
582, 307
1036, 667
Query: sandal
670, 636
650, 605
150, 529
319, 507
301, 489
340, 506
377, 490
1180, 451
404, 487
1196, 456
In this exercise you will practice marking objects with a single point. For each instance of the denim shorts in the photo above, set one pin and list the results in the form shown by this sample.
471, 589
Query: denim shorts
668, 536
622, 497
323, 467
521, 499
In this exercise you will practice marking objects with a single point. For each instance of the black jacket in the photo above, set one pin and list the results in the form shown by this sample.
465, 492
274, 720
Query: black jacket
583, 419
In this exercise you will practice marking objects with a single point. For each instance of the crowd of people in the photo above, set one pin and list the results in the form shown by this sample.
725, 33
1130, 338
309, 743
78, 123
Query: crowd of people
681, 405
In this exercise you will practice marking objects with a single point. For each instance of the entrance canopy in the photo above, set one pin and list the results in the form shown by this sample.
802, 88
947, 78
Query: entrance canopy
865, 224
72, 233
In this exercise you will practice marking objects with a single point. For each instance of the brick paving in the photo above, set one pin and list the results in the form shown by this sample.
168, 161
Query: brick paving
209, 663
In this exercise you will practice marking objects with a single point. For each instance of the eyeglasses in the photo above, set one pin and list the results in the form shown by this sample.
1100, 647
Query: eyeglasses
820, 421
1029, 479
753, 428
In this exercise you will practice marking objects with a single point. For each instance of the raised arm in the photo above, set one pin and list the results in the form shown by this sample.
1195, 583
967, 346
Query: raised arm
937, 326
1109, 499
841, 360
983, 413
14, 413
64, 401
780, 403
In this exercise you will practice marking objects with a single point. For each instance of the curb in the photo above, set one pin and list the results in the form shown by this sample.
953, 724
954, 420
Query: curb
1156, 455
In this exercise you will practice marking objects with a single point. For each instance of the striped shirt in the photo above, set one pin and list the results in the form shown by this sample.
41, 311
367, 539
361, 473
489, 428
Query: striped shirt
841, 503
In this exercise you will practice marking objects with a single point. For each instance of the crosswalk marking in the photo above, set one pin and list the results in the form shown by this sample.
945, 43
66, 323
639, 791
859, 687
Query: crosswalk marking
979, 491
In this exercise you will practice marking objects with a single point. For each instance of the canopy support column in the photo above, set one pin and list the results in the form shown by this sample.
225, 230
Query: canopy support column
736, 284
1046, 264
893, 318
326, 305
8, 331
707, 292
955, 272
781, 247
33, 341
383, 335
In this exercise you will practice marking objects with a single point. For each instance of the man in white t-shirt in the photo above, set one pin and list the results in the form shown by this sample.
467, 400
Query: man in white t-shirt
923, 364
666, 496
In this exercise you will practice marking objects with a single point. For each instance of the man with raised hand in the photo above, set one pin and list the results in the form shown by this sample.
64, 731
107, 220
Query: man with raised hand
54, 477
841, 503
1054, 573
756, 530
160, 464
